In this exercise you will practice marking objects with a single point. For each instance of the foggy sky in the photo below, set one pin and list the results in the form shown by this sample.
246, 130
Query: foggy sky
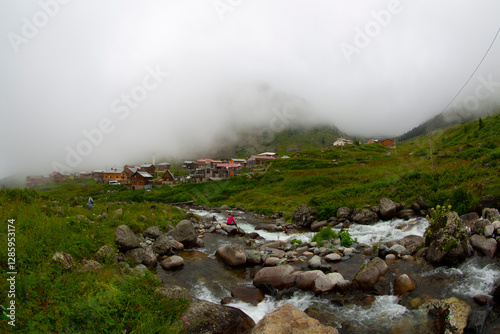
116, 81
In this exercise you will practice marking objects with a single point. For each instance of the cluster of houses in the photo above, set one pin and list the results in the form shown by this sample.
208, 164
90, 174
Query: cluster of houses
146, 175
343, 142
210, 170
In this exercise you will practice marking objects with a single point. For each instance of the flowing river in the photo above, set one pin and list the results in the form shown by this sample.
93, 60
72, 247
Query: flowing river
210, 279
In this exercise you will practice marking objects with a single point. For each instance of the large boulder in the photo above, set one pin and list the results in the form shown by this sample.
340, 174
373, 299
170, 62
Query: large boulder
387, 209
304, 280
303, 216
370, 274
343, 213
364, 216
142, 256
166, 245
172, 262
328, 282
487, 246
403, 284
412, 243
125, 238
449, 315
206, 317
289, 319
90, 265
491, 214
248, 294
152, 232
447, 239
280, 277
106, 253
185, 233
233, 255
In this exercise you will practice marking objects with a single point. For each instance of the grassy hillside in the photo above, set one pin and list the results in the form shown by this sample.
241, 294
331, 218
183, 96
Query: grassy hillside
464, 167
50, 299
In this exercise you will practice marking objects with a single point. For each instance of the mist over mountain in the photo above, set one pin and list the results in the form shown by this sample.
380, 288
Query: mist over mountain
88, 85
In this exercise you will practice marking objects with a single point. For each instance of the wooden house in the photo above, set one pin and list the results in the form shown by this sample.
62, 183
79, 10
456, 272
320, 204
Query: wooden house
190, 165
148, 168
241, 162
114, 175
168, 178
141, 179
56, 177
258, 160
32, 181
163, 166
387, 142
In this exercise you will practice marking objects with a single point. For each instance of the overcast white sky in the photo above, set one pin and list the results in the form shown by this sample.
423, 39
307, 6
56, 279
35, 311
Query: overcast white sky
167, 75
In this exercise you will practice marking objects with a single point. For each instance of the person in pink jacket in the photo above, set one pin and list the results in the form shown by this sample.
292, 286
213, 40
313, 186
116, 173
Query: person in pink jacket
231, 221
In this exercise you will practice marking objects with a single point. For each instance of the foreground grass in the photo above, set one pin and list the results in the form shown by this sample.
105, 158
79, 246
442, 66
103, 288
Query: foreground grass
52, 300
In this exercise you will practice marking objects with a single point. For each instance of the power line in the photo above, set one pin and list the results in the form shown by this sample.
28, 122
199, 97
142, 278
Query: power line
470, 77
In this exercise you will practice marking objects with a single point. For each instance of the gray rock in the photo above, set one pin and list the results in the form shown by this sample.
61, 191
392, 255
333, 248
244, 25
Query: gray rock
343, 213
304, 280
125, 238
406, 214
233, 255
271, 261
65, 260
487, 246
303, 216
163, 245
488, 231
412, 242
316, 226
172, 262
327, 282
491, 214
280, 276
447, 240
370, 274
152, 232
185, 233
90, 265
333, 257
253, 256
315, 262
421, 202
397, 250
142, 256
364, 216
450, 313
140, 270
387, 209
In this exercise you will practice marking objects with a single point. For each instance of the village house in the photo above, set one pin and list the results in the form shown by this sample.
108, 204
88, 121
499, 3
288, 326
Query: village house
342, 142
197, 175
190, 165
56, 177
270, 154
167, 178
141, 180
258, 160
387, 142
32, 181
241, 162
204, 163
148, 168
114, 175
373, 141
163, 166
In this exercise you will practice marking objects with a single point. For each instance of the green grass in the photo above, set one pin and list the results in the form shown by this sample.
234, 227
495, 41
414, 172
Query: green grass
52, 300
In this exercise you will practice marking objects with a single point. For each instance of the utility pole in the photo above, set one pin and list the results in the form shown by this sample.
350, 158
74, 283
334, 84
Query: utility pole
430, 147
